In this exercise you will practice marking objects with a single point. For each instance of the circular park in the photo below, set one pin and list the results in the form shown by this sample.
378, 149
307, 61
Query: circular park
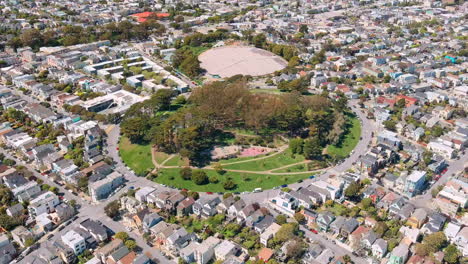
229, 139
228, 61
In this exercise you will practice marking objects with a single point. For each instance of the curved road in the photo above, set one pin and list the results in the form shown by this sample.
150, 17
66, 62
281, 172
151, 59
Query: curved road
367, 128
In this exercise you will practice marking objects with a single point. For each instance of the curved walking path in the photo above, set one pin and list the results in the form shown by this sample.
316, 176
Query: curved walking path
166, 160
362, 146
268, 172
280, 150
289, 165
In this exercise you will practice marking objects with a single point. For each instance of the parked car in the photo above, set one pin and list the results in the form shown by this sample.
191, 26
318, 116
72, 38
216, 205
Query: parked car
313, 231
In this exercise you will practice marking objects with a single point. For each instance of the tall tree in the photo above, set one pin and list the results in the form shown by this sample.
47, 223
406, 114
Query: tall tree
312, 148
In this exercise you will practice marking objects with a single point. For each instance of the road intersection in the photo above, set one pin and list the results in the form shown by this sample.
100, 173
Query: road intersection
95, 211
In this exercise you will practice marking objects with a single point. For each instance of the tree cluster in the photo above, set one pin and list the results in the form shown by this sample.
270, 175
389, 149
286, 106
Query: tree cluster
300, 85
285, 51
219, 106
185, 60
72, 34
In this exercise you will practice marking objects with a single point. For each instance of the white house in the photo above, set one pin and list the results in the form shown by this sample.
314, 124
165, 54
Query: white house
269, 233
205, 251
442, 149
379, 248
74, 241
44, 203
461, 240
141, 194
102, 188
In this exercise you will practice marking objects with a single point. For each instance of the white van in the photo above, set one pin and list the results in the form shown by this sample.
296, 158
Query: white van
256, 190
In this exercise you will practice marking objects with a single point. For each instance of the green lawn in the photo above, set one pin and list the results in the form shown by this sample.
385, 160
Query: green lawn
224, 161
244, 181
137, 157
160, 157
176, 161
350, 140
295, 168
272, 162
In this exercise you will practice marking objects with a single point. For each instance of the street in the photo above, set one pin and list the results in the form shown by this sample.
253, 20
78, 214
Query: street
367, 128
454, 167
93, 211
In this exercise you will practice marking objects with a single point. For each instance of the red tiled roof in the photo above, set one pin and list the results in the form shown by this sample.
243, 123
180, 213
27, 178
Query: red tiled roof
360, 230
3, 168
128, 259
382, 99
265, 254
409, 100
142, 17
343, 87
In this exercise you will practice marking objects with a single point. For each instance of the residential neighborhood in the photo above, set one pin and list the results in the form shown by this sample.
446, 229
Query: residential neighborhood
261, 131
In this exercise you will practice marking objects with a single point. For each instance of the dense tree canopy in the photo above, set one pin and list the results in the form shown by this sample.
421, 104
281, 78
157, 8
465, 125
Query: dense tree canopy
221, 106
72, 35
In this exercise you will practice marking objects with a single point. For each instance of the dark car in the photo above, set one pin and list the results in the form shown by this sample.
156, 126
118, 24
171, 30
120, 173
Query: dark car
311, 177
284, 186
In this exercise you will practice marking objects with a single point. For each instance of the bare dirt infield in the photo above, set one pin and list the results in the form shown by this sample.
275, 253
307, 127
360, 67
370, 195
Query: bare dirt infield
228, 61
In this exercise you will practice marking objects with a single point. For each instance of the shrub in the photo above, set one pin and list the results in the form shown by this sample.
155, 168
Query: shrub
229, 185
213, 179
186, 173
199, 177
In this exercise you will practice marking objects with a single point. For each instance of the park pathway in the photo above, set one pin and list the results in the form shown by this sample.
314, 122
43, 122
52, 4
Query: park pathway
281, 149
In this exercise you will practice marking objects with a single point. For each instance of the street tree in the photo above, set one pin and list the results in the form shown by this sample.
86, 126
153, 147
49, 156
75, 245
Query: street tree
122, 236
112, 209
131, 244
